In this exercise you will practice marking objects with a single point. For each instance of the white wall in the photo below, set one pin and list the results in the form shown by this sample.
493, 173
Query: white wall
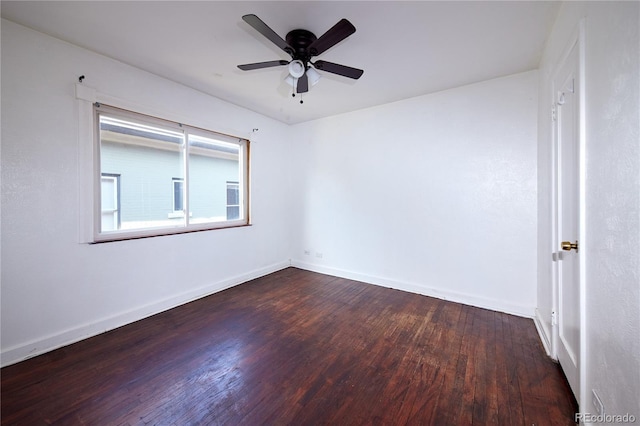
612, 217
56, 290
435, 194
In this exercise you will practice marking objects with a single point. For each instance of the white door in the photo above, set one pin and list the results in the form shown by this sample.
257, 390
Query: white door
566, 85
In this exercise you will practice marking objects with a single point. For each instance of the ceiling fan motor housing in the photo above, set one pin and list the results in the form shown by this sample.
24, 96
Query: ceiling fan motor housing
300, 40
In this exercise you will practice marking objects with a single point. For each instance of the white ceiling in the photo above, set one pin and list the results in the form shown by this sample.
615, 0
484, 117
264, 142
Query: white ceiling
405, 48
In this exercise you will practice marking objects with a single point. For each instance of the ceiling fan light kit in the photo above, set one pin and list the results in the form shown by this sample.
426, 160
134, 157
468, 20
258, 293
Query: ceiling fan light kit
296, 68
313, 76
302, 45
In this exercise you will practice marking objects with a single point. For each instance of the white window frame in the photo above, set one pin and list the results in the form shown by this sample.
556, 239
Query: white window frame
242, 143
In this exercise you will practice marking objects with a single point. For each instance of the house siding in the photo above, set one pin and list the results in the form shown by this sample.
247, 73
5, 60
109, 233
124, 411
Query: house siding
146, 181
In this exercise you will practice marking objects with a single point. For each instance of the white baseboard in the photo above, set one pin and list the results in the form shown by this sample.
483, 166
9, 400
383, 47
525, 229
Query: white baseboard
544, 334
39, 346
467, 299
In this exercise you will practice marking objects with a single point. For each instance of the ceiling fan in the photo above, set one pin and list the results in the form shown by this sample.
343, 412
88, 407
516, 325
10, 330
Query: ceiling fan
302, 45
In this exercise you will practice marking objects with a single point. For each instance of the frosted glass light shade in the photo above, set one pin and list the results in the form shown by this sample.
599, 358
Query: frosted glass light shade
296, 68
313, 76
293, 82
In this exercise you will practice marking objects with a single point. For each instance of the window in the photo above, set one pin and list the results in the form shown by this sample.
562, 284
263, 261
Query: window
110, 201
178, 197
140, 155
233, 200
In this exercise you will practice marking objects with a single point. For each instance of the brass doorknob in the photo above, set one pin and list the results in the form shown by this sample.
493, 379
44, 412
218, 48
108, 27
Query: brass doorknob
568, 245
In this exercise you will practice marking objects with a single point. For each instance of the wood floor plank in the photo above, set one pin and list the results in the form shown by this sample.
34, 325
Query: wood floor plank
297, 347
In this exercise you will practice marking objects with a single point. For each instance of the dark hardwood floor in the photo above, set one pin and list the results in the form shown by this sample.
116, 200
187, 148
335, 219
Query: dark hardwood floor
298, 348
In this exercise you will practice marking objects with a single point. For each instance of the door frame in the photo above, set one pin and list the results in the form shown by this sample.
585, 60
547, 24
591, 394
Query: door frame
577, 40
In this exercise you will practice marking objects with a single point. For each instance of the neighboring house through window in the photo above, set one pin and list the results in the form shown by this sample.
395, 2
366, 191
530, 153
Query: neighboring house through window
178, 194
233, 200
110, 201
139, 155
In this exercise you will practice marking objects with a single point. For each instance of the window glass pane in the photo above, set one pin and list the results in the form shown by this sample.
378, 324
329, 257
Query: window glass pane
233, 194
147, 158
110, 202
233, 212
178, 194
212, 163
233, 200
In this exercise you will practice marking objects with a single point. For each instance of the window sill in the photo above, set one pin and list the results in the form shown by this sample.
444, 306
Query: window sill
125, 236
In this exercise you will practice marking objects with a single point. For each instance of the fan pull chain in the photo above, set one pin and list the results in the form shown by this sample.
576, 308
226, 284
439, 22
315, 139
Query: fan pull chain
293, 90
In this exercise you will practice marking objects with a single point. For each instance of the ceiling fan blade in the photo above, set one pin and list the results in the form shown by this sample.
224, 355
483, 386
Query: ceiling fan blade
342, 70
258, 65
303, 84
333, 36
266, 31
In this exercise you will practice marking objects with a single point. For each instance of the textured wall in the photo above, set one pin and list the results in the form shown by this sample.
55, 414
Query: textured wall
613, 205
435, 194
612, 198
56, 290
